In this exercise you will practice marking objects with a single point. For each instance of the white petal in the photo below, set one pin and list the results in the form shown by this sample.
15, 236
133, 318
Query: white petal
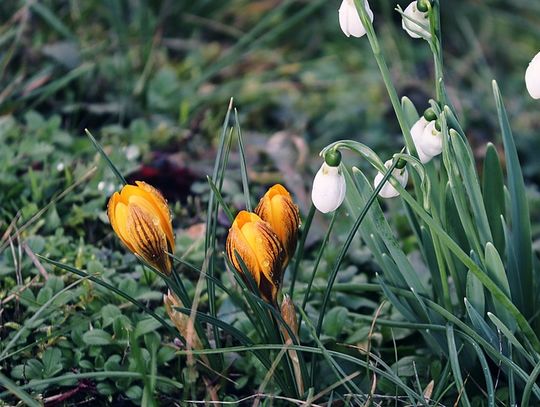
417, 131
349, 19
413, 29
329, 188
431, 142
532, 77
388, 190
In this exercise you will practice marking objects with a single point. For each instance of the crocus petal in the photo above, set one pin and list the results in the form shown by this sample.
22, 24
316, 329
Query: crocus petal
260, 250
532, 77
431, 142
349, 19
329, 188
417, 131
140, 217
148, 238
278, 209
417, 27
388, 190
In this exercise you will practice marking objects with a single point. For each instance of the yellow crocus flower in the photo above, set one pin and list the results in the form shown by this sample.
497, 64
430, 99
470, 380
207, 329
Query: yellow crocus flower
261, 251
140, 217
278, 209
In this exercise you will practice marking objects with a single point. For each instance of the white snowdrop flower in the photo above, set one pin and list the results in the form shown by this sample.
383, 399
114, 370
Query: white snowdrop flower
416, 23
431, 142
532, 77
329, 188
132, 152
388, 190
111, 188
349, 19
417, 131
60, 166
101, 185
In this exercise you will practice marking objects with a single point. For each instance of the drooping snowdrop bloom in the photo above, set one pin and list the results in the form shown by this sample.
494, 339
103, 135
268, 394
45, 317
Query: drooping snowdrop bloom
415, 22
349, 19
532, 77
388, 190
417, 131
431, 142
329, 185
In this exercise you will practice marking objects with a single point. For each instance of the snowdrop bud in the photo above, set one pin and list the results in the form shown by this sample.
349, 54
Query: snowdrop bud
349, 19
416, 21
423, 5
388, 191
532, 77
328, 190
417, 132
431, 141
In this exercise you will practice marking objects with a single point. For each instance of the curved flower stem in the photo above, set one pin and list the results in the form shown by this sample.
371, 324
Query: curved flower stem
385, 73
343, 252
300, 251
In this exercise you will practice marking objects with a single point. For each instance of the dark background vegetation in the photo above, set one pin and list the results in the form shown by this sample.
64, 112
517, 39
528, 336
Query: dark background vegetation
152, 81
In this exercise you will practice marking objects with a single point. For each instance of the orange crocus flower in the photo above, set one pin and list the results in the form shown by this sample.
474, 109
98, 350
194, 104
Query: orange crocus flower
260, 250
140, 217
278, 209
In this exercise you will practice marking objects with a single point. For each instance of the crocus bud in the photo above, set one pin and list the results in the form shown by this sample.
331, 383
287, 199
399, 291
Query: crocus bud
329, 188
349, 19
388, 190
278, 209
415, 22
417, 131
140, 217
181, 320
288, 313
532, 77
431, 142
260, 250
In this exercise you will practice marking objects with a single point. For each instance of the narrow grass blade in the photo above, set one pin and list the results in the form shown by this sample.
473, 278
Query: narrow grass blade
511, 338
106, 157
529, 385
17, 391
243, 166
50, 18
220, 199
300, 250
489, 389
456, 368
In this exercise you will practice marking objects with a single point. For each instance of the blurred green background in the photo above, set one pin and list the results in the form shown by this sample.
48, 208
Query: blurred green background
152, 81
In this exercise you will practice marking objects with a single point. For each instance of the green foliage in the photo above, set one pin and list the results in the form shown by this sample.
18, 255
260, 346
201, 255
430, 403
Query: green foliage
441, 289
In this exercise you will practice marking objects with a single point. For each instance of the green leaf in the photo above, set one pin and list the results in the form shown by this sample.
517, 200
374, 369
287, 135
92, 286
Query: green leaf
109, 313
475, 293
335, 321
496, 271
519, 210
480, 324
97, 337
145, 326
493, 194
466, 164
52, 362
134, 392
409, 110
